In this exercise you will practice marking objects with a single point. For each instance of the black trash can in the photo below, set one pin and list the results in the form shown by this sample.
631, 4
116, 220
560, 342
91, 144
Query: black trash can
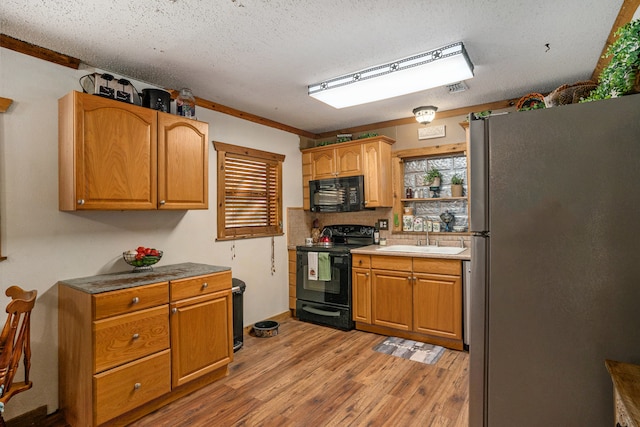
238, 287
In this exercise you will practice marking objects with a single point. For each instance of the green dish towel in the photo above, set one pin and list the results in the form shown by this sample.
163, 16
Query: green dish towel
324, 266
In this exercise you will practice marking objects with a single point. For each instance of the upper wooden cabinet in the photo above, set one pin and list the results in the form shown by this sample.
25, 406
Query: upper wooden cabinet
370, 157
377, 174
183, 163
337, 162
119, 156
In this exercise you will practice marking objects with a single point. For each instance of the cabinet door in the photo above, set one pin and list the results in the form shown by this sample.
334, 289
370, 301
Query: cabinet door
183, 159
292, 279
437, 305
113, 152
323, 164
377, 174
391, 297
201, 336
361, 287
349, 160
306, 177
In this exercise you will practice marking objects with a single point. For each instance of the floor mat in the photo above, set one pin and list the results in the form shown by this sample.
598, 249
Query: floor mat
412, 350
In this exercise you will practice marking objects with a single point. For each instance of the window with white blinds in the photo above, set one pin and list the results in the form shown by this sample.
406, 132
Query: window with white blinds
249, 192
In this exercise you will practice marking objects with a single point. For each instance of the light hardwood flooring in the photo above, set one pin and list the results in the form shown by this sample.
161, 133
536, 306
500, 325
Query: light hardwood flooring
311, 375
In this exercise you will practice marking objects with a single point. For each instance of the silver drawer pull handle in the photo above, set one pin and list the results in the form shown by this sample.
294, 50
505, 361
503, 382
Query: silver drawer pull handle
136, 336
81, 201
135, 300
137, 386
162, 202
205, 285
174, 310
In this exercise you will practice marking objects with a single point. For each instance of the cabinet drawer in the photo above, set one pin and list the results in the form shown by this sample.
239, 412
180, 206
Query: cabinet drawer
200, 285
360, 261
127, 337
437, 266
396, 263
131, 299
125, 388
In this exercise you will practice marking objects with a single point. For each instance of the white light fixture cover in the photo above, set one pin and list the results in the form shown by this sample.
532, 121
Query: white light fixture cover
438, 67
425, 115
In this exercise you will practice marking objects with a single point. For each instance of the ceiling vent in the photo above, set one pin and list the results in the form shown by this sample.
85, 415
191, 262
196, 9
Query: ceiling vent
457, 87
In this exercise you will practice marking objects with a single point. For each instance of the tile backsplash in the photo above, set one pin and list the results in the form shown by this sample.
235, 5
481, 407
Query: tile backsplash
300, 222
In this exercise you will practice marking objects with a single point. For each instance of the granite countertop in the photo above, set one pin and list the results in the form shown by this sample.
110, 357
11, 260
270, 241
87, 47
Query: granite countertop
373, 250
128, 279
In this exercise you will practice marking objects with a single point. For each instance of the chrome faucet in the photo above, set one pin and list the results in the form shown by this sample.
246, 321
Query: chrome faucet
461, 242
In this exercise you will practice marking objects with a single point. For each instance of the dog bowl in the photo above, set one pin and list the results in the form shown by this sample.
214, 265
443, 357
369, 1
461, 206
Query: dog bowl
266, 329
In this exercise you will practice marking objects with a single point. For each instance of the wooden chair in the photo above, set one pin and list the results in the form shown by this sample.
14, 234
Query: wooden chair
14, 342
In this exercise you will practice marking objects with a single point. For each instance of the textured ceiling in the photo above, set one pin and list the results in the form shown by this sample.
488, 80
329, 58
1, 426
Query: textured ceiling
259, 56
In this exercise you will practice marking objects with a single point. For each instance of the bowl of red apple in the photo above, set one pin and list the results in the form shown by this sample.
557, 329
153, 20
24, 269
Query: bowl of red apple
142, 258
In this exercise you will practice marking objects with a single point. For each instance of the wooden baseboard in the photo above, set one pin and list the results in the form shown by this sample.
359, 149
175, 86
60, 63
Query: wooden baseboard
278, 317
35, 417
430, 339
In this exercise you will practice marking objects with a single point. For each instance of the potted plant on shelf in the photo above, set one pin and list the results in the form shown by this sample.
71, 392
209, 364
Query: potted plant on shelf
433, 177
621, 76
456, 185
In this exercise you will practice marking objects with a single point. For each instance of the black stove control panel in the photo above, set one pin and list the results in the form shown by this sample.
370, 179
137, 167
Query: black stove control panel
349, 230
349, 234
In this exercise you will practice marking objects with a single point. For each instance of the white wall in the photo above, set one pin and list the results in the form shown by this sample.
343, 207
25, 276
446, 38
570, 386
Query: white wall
44, 245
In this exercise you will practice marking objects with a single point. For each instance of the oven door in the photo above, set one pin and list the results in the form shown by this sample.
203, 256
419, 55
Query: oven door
337, 290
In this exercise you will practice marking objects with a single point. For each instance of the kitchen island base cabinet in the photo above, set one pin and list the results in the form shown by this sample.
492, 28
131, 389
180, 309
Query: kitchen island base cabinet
126, 352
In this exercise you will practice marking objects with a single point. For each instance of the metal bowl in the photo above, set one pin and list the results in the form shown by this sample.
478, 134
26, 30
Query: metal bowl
266, 329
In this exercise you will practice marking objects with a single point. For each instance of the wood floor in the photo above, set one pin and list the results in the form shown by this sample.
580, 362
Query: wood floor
310, 375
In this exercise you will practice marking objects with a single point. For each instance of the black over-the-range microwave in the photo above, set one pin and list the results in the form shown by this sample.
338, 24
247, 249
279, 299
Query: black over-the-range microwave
337, 194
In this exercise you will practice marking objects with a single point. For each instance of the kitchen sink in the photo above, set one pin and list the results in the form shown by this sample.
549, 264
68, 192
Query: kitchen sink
442, 250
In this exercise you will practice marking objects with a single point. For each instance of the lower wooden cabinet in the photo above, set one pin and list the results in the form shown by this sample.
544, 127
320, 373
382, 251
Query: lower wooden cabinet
126, 352
125, 388
417, 298
437, 305
200, 336
292, 279
361, 294
391, 299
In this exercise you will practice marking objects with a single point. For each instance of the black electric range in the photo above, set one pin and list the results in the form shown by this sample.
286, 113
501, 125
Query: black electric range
323, 292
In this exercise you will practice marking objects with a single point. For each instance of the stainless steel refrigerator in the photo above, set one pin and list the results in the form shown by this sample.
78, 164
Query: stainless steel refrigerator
555, 281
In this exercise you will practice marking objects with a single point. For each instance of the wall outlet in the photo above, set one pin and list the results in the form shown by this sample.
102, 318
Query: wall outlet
383, 224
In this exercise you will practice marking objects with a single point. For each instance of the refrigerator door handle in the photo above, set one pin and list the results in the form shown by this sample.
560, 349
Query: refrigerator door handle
484, 234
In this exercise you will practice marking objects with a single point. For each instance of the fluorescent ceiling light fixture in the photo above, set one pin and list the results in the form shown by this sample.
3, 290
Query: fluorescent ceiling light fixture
438, 67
